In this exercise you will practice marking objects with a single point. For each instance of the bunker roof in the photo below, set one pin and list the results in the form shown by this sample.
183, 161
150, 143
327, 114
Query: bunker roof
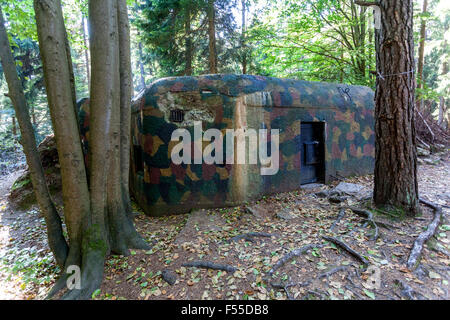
267, 91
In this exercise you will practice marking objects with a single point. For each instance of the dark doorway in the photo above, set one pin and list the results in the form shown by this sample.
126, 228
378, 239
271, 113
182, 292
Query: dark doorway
312, 152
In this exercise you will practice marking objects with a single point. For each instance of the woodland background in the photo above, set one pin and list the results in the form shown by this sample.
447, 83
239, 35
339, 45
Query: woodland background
287, 38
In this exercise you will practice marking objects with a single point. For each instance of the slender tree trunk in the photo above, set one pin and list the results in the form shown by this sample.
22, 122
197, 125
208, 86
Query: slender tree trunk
212, 37
442, 107
441, 110
421, 59
86, 51
395, 148
56, 240
71, 74
141, 65
244, 49
14, 128
33, 115
187, 26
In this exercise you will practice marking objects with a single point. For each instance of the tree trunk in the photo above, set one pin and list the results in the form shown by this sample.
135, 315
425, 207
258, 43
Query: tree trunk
102, 221
86, 52
188, 54
212, 37
420, 62
244, 51
33, 115
441, 110
395, 147
14, 128
56, 240
141, 66
58, 84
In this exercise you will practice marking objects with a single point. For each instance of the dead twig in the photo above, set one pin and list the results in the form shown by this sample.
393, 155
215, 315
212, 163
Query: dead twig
210, 265
416, 251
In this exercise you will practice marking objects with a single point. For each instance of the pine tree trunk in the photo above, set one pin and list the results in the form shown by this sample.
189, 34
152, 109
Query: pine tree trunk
56, 240
212, 37
395, 160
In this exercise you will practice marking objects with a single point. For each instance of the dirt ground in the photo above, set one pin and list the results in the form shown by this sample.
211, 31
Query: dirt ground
293, 220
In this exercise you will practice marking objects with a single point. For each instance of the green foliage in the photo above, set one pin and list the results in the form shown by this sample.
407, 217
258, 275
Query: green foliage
326, 40
162, 26
31, 265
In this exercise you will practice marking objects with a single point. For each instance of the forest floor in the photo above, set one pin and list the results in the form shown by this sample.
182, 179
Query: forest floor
293, 220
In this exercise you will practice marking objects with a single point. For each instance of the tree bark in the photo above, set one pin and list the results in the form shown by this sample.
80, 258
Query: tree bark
395, 147
420, 61
212, 37
56, 240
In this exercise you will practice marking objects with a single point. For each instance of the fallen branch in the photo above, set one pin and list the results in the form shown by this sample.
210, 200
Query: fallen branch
347, 248
416, 251
249, 236
426, 124
210, 265
292, 254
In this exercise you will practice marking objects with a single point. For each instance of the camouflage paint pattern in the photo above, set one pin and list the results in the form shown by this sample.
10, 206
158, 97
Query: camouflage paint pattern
240, 101
243, 101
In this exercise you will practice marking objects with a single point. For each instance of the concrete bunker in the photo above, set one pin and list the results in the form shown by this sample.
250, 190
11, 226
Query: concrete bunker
325, 131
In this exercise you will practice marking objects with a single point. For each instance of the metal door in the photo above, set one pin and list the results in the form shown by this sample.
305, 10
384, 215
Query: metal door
312, 152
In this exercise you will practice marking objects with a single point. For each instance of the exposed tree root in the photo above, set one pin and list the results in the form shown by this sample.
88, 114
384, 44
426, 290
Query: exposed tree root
360, 297
338, 219
315, 293
285, 287
416, 251
249, 236
347, 248
369, 217
210, 265
406, 290
292, 254
333, 271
